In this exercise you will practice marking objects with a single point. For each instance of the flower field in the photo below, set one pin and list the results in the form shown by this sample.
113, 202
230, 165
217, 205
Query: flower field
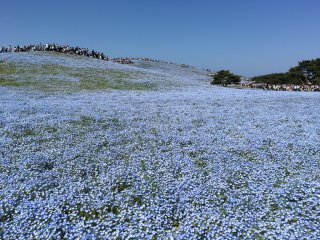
98, 150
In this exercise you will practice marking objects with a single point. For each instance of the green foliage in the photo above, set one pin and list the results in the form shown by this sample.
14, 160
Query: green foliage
280, 78
310, 69
307, 72
225, 77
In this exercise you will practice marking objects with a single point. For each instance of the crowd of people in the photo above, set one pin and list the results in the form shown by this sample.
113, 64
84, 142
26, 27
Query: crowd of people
152, 60
161, 61
283, 87
56, 48
123, 60
74, 50
53, 47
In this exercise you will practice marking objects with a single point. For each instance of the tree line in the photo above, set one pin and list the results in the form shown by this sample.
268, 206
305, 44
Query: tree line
307, 72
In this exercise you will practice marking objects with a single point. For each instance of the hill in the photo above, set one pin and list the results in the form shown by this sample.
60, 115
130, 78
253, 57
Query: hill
92, 149
49, 71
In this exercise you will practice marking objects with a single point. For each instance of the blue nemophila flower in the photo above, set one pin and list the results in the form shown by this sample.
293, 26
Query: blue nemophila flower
188, 162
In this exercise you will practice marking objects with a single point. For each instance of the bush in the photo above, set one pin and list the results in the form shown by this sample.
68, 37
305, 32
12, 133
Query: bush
225, 77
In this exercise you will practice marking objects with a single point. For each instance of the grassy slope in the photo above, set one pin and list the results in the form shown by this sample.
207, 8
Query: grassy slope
49, 77
67, 73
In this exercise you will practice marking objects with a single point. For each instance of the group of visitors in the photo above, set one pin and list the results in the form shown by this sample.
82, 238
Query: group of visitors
56, 48
152, 60
292, 87
123, 60
284, 87
53, 47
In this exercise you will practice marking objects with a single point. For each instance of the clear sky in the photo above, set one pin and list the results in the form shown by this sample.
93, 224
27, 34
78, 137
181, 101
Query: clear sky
248, 37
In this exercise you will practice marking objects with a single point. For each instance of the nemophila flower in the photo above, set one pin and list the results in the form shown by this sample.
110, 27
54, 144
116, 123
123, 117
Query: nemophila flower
184, 162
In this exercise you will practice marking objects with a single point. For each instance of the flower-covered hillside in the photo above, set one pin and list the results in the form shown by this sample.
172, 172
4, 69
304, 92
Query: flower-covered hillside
53, 72
184, 161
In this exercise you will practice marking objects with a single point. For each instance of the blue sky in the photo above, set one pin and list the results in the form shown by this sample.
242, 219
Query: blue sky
248, 37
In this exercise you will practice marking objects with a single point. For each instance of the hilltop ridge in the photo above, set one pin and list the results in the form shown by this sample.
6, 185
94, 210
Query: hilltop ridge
62, 48
73, 70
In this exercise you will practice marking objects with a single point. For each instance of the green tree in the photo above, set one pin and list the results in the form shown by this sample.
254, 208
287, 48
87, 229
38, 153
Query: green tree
280, 78
225, 77
309, 69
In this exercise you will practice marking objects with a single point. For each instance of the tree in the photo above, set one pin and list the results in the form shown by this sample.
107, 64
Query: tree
280, 78
310, 69
225, 77
307, 72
